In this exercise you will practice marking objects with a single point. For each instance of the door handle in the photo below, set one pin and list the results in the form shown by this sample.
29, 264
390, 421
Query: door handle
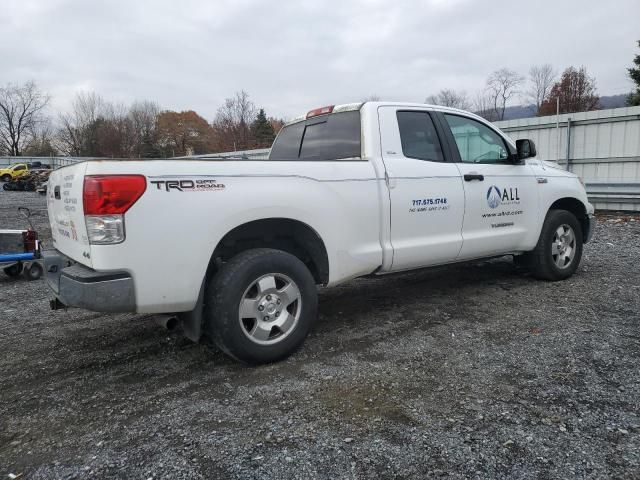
473, 176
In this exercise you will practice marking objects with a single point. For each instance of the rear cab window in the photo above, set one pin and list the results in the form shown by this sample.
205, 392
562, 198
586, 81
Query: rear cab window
328, 137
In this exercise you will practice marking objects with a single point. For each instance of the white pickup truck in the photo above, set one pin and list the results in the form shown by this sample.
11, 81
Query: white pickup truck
236, 247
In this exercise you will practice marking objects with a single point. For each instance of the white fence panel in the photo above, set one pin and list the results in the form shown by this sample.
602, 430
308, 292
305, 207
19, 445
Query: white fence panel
604, 149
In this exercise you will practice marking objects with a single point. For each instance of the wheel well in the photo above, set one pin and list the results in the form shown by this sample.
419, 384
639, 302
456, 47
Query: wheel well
576, 207
291, 236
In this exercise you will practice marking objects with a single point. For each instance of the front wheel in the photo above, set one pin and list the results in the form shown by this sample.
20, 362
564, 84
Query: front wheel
260, 306
5, 178
559, 249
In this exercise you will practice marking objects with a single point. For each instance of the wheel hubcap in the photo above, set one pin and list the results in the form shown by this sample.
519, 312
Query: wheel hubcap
270, 308
563, 246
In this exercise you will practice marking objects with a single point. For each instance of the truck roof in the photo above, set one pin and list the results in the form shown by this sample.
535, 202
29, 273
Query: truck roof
346, 107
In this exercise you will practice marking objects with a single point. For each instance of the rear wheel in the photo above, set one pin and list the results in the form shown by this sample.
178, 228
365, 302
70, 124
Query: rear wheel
559, 249
260, 306
14, 270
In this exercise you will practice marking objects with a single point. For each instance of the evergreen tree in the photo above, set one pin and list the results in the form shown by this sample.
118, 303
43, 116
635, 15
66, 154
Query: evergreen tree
262, 130
634, 73
149, 147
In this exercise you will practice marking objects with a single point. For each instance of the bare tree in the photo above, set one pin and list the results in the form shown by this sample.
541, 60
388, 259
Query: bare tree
41, 140
144, 122
541, 79
75, 135
21, 109
232, 122
483, 106
114, 132
502, 85
371, 98
450, 98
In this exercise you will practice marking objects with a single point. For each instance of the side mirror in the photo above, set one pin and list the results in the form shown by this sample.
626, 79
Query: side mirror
526, 148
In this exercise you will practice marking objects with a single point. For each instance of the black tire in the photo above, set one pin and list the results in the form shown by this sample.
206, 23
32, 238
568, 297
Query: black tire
34, 272
234, 282
6, 178
7, 187
542, 262
14, 270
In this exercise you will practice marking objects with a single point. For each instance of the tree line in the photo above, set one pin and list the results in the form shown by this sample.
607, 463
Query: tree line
574, 91
94, 127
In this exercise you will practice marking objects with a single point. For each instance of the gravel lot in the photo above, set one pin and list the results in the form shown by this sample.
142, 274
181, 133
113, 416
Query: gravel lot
468, 371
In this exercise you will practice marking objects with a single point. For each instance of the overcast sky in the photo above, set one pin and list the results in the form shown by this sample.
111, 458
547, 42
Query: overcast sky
291, 56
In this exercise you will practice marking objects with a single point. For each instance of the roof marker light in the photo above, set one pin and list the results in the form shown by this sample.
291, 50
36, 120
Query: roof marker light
320, 111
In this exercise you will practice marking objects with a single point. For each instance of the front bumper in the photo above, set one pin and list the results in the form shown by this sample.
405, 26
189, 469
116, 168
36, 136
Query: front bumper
591, 227
75, 285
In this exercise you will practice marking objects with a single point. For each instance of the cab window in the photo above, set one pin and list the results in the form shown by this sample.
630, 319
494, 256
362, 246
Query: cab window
19, 167
327, 137
476, 142
418, 136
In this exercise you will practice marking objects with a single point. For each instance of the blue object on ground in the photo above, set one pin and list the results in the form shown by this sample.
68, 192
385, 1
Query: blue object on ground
16, 257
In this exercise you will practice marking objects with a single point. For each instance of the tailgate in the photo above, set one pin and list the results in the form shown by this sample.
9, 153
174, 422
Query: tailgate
66, 215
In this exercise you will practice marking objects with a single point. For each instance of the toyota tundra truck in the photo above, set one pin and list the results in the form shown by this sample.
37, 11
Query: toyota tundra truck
236, 248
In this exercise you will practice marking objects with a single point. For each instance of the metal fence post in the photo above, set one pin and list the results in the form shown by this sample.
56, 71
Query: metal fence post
569, 144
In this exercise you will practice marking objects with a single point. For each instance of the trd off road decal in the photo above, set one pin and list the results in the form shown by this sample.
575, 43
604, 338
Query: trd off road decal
501, 197
188, 185
429, 205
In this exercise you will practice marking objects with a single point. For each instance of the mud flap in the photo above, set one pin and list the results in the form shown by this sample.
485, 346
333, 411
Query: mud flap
192, 321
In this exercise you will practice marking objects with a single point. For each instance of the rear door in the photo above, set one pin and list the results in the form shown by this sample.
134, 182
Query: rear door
66, 215
501, 196
426, 193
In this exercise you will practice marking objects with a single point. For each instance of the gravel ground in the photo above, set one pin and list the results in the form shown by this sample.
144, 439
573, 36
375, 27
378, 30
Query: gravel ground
473, 371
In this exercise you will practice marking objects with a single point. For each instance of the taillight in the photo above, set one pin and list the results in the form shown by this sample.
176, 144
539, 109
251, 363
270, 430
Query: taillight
111, 194
320, 111
106, 198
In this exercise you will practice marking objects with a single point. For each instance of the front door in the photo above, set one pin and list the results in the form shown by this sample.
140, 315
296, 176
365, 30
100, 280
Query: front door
501, 195
426, 193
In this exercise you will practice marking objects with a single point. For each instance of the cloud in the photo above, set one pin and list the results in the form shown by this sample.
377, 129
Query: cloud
292, 56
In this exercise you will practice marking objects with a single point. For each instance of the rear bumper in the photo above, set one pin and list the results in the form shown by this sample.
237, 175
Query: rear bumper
79, 286
591, 227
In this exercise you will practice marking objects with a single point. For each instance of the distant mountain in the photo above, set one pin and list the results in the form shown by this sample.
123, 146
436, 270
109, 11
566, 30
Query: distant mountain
527, 111
519, 111
614, 101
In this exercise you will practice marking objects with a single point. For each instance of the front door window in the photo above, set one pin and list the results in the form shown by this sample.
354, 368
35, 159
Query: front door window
476, 142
